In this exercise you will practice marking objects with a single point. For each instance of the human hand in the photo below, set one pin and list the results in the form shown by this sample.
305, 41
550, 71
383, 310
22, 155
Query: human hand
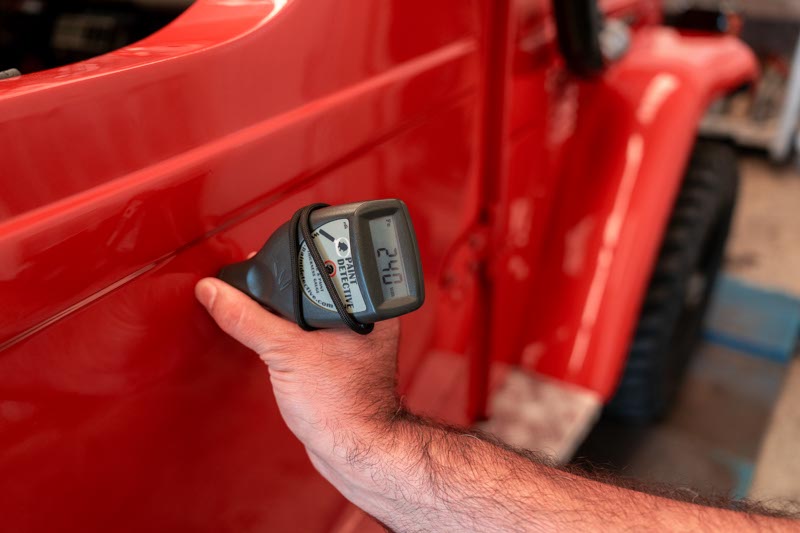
331, 385
336, 392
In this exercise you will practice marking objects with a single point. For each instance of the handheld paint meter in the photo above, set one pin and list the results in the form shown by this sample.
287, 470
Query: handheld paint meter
334, 266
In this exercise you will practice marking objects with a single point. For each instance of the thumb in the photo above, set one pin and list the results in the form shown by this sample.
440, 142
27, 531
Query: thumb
241, 317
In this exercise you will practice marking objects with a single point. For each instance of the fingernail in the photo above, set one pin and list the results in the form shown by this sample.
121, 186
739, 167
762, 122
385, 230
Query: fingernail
205, 292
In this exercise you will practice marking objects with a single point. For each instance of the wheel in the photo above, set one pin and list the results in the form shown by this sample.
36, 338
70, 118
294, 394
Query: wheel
680, 288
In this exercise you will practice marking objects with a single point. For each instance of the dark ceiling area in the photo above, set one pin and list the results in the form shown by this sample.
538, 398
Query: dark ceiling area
37, 34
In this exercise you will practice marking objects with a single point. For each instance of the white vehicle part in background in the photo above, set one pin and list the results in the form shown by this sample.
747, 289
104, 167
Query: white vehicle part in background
781, 146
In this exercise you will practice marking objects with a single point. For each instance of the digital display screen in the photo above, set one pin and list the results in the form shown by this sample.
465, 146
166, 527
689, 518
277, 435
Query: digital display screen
391, 273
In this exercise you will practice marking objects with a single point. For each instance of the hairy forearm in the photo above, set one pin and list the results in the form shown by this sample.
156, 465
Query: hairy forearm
336, 392
414, 475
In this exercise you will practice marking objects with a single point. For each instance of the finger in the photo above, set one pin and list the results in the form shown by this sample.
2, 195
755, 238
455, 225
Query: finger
242, 318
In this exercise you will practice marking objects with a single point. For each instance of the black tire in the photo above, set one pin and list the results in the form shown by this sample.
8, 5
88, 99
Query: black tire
676, 301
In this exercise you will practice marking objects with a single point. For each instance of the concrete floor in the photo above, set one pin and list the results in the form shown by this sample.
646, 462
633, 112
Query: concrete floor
777, 476
711, 440
765, 244
765, 248
726, 436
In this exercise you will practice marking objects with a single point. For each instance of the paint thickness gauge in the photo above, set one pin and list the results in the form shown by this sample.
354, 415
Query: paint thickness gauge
337, 266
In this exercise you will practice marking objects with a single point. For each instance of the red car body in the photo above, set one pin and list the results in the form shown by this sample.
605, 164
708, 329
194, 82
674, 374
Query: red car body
539, 200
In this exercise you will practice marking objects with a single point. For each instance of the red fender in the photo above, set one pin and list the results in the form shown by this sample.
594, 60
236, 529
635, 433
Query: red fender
633, 133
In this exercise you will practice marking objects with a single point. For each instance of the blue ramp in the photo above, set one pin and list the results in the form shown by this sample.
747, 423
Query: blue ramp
754, 320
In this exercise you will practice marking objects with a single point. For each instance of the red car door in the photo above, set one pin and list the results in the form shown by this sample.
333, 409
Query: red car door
126, 178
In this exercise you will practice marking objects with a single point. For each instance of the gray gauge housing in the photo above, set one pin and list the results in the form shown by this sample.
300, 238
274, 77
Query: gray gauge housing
267, 276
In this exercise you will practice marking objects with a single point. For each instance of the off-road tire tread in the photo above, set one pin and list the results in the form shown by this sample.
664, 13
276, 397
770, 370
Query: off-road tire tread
653, 373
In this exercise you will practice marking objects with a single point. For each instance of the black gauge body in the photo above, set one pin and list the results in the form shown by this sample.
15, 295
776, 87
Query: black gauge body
370, 253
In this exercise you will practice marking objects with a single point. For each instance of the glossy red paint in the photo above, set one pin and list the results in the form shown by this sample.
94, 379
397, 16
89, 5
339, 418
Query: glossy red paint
591, 188
128, 177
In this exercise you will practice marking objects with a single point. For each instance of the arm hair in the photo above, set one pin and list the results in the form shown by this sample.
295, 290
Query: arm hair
419, 475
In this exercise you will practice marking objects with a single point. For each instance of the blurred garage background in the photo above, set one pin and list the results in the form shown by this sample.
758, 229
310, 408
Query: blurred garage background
736, 426
735, 429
